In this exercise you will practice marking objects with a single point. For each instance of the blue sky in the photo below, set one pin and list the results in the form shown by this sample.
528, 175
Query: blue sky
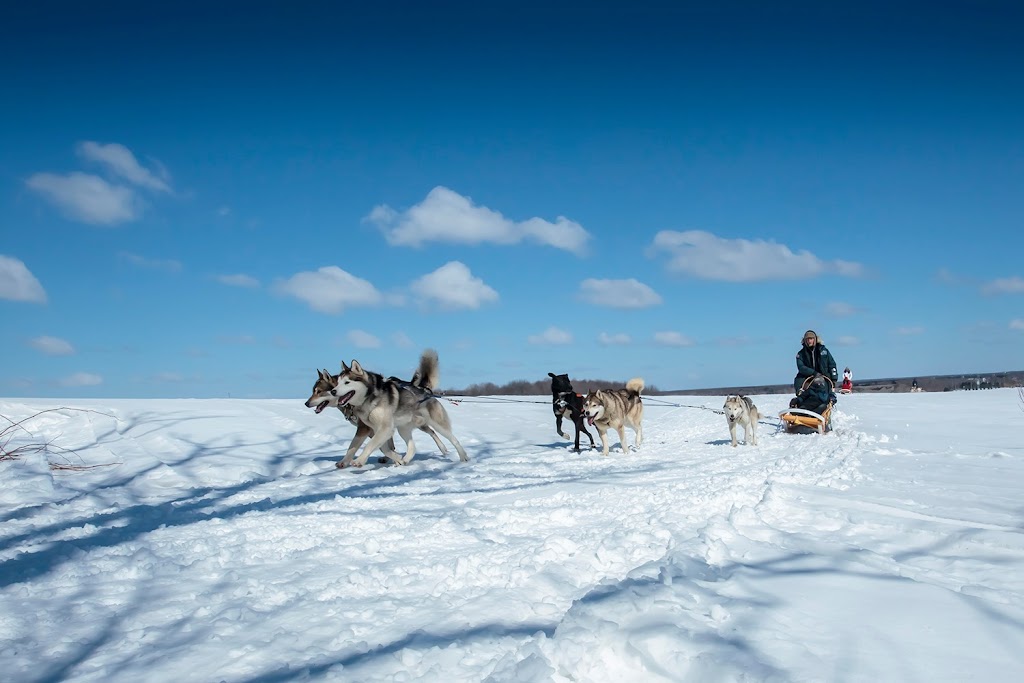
205, 200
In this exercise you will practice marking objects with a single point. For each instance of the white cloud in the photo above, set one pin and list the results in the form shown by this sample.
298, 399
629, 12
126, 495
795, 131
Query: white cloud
166, 265
620, 339
1017, 324
552, 336
451, 287
91, 199
909, 330
52, 346
238, 280
673, 339
1006, 285
947, 277
120, 161
363, 340
447, 216
88, 198
168, 377
17, 283
562, 234
81, 379
846, 268
847, 340
838, 309
401, 340
618, 293
706, 256
329, 290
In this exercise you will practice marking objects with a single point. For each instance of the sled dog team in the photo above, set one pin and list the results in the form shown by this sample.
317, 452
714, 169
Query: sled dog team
379, 406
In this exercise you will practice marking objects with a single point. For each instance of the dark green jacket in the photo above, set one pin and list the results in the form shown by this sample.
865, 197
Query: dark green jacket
811, 360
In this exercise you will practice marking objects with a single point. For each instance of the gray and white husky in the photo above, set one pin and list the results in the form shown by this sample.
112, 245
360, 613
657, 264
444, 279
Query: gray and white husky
740, 410
616, 409
325, 395
384, 405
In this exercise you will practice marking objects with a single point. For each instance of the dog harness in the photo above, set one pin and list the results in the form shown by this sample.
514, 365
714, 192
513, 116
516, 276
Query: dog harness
409, 386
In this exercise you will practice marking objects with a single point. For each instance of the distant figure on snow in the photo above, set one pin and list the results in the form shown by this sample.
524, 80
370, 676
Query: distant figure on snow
812, 359
847, 380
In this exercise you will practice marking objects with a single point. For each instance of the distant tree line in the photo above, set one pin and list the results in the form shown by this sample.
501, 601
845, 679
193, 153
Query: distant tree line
522, 387
979, 383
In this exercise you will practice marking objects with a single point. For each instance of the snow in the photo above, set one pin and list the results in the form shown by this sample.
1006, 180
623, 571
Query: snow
217, 542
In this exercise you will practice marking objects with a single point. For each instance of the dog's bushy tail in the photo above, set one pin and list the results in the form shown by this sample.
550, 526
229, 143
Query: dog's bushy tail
635, 385
428, 374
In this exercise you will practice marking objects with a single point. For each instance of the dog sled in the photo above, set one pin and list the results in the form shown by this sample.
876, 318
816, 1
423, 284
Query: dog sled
811, 411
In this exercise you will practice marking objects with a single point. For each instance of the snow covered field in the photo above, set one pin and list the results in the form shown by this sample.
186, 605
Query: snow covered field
225, 546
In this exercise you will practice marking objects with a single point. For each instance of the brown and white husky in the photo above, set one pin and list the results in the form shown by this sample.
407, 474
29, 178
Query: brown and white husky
616, 409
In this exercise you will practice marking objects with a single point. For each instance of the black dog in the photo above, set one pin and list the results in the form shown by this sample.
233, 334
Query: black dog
566, 402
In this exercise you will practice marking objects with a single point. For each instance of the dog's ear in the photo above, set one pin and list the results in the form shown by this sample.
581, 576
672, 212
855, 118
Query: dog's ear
324, 375
551, 374
356, 367
344, 368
